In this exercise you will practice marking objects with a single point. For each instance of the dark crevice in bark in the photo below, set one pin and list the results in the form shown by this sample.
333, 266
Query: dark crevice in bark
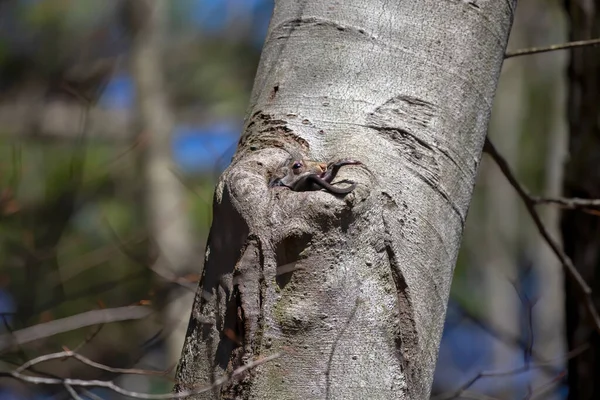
231, 331
399, 133
406, 336
292, 25
261, 289
262, 296
265, 131
274, 92
404, 110
288, 253
241, 338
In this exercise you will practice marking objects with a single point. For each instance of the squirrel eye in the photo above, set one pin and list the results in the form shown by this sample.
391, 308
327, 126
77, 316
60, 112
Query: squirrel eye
297, 165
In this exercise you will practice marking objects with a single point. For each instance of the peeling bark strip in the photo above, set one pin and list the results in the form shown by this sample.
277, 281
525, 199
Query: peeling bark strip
352, 289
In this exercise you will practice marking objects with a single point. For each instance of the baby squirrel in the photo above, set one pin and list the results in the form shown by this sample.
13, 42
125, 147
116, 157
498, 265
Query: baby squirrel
303, 175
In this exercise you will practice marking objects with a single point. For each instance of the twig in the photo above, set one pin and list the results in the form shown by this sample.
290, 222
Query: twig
87, 361
525, 301
476, 396
483, 374
68, 382
546, 387
510, 339
72, 392
94, 317
582, 287
86, 292
554, 47
165, 273
91, 395
570, 203
88, 338
490, 374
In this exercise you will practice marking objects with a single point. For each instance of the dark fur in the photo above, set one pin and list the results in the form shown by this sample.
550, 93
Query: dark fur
300, 176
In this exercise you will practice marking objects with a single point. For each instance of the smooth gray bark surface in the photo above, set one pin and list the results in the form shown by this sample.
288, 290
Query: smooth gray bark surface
353, 290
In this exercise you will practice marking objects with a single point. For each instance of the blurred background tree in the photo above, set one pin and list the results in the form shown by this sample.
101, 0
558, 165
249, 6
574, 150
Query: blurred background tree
83, 168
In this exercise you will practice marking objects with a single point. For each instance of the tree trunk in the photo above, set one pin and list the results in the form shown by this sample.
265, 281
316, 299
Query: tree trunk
582, 179
352, 290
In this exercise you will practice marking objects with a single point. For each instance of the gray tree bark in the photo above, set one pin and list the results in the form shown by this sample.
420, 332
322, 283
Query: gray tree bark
352, 290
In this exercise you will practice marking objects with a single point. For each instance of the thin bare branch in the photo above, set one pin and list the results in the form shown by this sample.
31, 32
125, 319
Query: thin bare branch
72, 392
554, 47
476, 396
87, 361
165, 273
509, 339
88, 338
459, 393
71, 383
583, 289
543, 389
91, 395
89, 318
528, 306
570, 203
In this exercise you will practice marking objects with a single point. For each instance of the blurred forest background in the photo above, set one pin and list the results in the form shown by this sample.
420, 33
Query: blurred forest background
113, 131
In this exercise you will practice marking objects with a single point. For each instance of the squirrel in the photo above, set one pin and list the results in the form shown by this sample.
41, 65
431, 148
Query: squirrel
304, 175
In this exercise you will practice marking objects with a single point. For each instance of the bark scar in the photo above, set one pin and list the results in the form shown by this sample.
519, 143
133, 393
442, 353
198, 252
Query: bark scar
265, 131
286, 28
404, 122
